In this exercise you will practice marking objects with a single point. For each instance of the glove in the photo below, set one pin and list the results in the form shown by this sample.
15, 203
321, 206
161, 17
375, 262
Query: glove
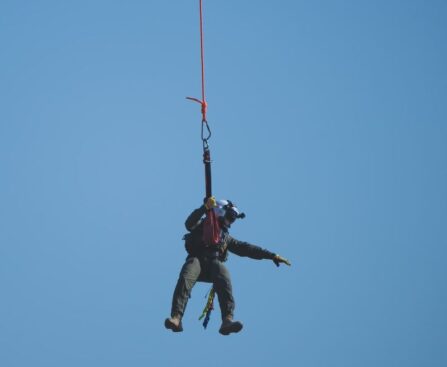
210, 203
278, 260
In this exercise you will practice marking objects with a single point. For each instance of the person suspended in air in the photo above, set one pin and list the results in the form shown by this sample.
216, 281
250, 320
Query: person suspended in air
206, 262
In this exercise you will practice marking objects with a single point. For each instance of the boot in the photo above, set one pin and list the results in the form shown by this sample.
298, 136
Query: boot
229, 326
174, 323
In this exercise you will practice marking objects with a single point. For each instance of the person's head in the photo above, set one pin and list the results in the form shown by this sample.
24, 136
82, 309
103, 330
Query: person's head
228, 212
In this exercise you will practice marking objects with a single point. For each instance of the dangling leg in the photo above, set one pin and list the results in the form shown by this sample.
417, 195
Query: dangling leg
188, 276
222, 285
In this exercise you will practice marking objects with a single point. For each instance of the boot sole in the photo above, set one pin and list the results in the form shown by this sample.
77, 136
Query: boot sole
171, 326
235, 328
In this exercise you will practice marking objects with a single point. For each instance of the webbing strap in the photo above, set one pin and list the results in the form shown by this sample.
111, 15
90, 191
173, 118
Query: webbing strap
208, 182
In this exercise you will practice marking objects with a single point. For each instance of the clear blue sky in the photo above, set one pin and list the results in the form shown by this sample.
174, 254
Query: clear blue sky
329, 124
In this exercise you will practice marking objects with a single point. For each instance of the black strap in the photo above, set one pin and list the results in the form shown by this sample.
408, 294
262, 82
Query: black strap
207, 162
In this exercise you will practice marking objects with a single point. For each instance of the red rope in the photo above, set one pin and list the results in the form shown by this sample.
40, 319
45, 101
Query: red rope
202, 59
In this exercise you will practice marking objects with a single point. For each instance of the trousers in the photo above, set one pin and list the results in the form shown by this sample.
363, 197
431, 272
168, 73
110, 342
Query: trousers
210, 270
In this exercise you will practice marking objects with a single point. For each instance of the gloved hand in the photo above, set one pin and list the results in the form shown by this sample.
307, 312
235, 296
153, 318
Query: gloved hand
210, 203
278, 260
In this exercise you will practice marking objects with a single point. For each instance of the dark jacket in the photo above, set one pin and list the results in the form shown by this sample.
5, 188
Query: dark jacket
195, 247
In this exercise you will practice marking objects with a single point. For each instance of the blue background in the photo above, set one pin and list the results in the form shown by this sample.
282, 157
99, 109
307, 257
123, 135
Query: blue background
329, 131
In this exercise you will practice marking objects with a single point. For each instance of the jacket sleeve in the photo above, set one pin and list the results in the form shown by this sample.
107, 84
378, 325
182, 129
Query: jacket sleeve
246, 249
194, 218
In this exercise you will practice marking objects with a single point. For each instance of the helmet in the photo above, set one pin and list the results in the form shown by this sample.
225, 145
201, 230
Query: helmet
226, 209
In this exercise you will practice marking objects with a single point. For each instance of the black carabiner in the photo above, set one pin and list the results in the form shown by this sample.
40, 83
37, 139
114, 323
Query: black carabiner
205, 139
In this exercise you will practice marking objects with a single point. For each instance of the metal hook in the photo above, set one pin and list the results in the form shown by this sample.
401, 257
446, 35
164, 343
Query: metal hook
205, 140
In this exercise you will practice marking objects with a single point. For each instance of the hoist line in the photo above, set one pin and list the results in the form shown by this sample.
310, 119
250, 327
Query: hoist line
202, 62
202, 56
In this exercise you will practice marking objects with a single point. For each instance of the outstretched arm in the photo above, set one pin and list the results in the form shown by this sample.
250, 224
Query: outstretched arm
254, 252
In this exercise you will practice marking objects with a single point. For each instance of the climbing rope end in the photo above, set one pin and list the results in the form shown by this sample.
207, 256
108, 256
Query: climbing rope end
194, 99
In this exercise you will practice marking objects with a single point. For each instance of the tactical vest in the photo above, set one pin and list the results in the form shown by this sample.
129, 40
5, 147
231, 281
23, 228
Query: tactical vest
195, 246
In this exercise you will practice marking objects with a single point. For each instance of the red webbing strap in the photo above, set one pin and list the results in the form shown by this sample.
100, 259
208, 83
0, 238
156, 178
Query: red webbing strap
211, 228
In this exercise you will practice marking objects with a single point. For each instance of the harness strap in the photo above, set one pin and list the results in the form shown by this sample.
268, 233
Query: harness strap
208, 308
